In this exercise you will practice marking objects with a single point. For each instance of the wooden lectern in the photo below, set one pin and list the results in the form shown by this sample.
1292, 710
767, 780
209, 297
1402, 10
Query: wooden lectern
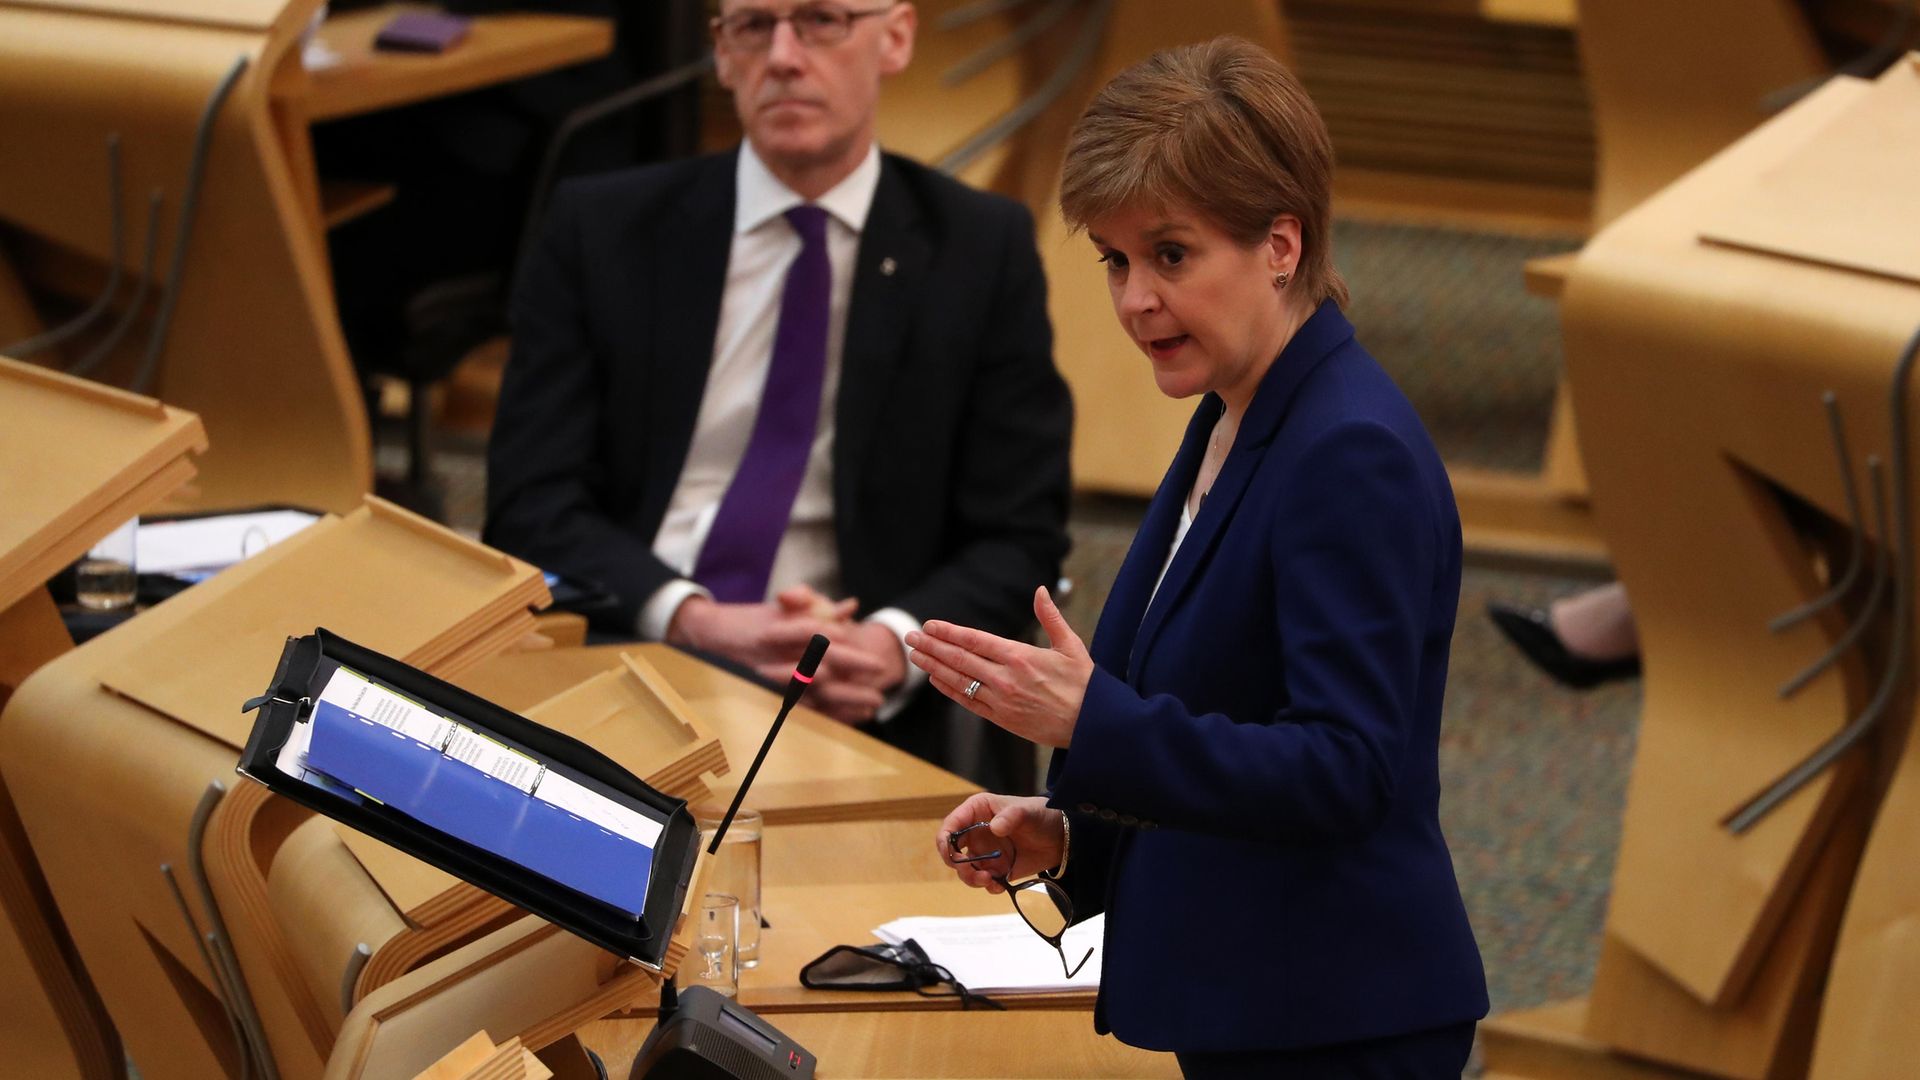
82, 459
1732, 345
112, 753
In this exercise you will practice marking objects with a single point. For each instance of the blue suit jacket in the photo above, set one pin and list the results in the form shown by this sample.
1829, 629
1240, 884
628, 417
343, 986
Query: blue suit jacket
1253, 783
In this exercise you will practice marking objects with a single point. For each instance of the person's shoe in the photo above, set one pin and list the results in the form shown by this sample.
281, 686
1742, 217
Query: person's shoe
1531, 631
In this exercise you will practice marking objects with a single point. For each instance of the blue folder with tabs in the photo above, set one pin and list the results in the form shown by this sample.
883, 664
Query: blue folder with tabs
491, 814
491, 797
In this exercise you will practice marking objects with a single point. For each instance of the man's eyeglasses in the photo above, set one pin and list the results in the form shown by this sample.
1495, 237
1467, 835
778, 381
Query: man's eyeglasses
1042, 902
751, 29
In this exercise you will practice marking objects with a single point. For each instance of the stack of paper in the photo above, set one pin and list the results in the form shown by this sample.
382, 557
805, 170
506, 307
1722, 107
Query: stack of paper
383, 578
81, 460
1000, 954
196, 548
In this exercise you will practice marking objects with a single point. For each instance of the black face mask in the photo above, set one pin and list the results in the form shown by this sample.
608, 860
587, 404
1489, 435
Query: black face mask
886, 967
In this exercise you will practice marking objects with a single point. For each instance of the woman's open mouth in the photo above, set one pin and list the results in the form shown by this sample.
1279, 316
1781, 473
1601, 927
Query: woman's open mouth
1164, 348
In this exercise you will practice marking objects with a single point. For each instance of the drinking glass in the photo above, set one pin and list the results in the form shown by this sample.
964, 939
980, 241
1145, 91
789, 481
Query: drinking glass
104, 580
736, 871
712, 963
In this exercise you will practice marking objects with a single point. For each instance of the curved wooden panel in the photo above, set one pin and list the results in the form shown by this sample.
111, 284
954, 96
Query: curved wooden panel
226, 14
531, 979
1673, 83
254, 346
1698, 372
295, 935
925, 117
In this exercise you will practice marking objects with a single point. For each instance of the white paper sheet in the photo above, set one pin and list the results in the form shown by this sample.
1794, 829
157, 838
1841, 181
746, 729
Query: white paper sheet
1000, 954
212, 543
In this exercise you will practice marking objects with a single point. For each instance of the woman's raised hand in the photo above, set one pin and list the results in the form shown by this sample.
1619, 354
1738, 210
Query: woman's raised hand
1034, 693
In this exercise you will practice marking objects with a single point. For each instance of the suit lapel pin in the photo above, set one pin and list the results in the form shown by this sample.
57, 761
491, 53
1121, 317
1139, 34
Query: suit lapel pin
888, 266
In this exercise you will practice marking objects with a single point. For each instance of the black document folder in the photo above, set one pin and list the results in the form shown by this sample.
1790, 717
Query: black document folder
528, 814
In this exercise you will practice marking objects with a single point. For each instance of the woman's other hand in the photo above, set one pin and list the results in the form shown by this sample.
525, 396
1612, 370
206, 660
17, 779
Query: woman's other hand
1034, 693
1035, 830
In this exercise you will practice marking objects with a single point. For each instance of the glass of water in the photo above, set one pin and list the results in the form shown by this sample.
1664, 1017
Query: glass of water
104, 579
736, 870
713, 962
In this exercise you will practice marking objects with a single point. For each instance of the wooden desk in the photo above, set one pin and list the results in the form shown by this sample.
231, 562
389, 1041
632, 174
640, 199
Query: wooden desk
820, 770
831, 884
1032, 1042
1701, 352
499, 48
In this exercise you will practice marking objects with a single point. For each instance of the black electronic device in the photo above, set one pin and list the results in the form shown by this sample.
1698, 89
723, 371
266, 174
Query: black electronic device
705, 1035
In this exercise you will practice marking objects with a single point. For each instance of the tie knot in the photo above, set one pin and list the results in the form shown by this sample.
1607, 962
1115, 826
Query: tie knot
810, 222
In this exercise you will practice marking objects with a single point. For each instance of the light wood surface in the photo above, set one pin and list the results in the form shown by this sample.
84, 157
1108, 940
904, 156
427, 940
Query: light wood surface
31, 633
1707, 561
497, 49
1551, 1041
1767, 1034
1438, 88
1842, 171
1560, 13
819, 770
51, 1019
84, 459
828, 884
377, 570
979, 1043
258, 15
925, 115
479, 1059
95, 452
1873, 990
1653, 119
106, 787
1654, 116
1527, 516
1698, 373
253, 347
531, 979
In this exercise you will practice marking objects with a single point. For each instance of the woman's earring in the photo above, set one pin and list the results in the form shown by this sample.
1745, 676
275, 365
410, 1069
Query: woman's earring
1280, 279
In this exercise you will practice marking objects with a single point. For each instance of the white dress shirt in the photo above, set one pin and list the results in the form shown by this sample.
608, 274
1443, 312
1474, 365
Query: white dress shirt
764, 247
1179, 534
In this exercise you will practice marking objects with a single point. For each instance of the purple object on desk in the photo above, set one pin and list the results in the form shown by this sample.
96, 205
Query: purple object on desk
422, 31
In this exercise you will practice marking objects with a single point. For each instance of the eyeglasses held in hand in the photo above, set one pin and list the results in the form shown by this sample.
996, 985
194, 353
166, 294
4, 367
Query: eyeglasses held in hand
1041, 902
751, 29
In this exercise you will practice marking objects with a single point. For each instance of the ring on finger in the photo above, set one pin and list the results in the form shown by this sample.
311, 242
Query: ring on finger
972, 689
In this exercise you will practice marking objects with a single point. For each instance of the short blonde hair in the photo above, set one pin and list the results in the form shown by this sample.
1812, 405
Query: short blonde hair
1222, 128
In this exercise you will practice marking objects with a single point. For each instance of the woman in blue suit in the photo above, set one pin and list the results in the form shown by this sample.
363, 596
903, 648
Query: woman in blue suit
1250, 747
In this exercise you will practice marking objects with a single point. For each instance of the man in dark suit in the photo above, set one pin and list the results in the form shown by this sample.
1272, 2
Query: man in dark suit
800, 387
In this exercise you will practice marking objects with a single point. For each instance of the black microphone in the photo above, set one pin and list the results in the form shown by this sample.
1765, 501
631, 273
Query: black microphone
796, 686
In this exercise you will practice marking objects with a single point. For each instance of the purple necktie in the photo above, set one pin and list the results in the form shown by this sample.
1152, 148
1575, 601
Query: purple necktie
737, 559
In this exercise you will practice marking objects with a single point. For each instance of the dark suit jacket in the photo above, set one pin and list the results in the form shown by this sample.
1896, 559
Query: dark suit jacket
1253, 783
950, 476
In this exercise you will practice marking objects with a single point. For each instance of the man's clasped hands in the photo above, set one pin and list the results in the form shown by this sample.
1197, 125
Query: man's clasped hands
865, 663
